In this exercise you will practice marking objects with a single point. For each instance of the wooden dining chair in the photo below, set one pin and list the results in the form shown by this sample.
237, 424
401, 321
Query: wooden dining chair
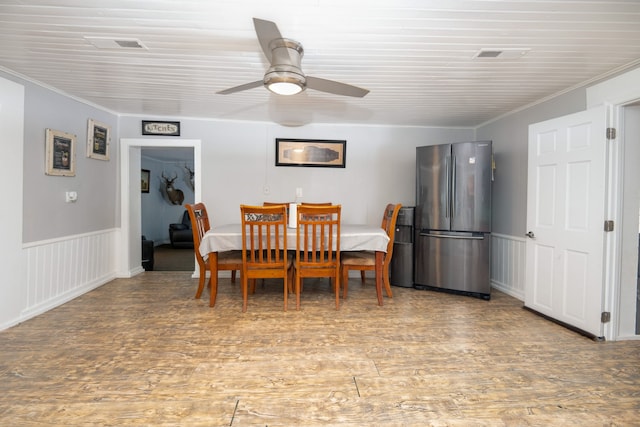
264, 248
366, 260
228, 260
318, 246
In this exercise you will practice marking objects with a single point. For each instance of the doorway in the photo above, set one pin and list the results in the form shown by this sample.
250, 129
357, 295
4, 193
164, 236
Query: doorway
629, 319
162, 218
129, 258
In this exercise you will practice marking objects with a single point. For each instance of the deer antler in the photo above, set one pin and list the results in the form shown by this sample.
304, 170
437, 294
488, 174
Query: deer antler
169, 180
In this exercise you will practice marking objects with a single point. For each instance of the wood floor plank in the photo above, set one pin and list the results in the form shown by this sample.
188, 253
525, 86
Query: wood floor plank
143, 351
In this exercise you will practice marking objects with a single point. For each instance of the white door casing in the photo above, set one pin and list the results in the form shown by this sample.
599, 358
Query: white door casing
566, 190
13, 292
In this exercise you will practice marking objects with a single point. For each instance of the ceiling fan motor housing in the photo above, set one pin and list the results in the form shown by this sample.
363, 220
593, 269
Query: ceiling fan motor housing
286, 57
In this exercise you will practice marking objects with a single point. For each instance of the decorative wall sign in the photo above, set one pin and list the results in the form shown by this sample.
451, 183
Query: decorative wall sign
60, 153
160, 128
310, 152
98, 140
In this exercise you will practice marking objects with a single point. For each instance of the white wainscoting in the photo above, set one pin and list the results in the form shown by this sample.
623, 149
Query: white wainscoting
58, 270
507, 264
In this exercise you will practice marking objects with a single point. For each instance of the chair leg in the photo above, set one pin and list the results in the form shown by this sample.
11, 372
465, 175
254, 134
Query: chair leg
233, 276
203, 275
290, 280
286, 290
336, 288
245, 291
297, 292
213, 284
385, 279
362, 276
345, 281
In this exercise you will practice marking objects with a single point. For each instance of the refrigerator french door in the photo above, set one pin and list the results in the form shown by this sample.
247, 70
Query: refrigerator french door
453, 218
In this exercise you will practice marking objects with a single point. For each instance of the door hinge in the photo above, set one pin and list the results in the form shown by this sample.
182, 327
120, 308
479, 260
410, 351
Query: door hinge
605, 317
611, 133
608, 225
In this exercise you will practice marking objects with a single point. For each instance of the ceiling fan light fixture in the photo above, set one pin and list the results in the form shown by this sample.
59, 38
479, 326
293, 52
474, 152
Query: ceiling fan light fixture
284, 83
285, 88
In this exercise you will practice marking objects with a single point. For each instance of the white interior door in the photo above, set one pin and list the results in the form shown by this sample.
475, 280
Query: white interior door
565, 219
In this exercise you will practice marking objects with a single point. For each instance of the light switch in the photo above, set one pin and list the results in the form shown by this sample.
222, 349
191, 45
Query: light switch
299, 192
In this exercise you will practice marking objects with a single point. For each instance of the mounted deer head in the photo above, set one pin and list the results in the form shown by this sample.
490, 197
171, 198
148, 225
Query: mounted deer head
176, 196
190, 176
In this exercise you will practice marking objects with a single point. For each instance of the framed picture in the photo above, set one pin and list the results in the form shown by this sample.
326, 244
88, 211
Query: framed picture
144, 180
98, 140
60, 153
311, 152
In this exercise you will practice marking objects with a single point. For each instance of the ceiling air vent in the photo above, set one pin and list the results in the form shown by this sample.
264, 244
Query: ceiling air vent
110, 43
501, 53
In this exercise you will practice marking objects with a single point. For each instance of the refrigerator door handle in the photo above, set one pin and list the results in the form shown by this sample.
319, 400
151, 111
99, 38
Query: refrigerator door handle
447, 163
449, 236
453, 186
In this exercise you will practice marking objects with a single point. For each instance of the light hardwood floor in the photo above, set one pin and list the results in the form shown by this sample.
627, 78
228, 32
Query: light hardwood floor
143, 351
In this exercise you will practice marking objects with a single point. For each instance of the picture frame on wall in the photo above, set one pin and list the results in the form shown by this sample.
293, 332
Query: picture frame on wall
60, 153
145, 176
311, 152
98, 140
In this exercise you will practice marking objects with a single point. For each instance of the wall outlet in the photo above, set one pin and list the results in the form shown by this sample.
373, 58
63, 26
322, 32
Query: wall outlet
299, 192
266, 189
71, 196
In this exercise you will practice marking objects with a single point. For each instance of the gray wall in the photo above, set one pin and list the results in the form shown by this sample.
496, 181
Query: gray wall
238, 161
510, 136
46, 214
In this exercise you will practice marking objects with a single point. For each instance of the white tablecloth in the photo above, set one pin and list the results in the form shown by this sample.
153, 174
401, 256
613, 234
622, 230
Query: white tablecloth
353, 237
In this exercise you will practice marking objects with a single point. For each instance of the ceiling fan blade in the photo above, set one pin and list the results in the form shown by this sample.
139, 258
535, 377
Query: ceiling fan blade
337, 88
240, 88
266, 31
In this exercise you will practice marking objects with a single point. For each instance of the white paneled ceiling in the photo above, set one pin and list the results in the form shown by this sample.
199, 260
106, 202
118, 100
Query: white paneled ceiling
417, 57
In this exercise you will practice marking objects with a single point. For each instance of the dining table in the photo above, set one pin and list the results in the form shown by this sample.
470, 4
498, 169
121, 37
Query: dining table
353, 237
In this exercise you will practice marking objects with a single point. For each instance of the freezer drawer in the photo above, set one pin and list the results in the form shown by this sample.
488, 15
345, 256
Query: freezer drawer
454, 261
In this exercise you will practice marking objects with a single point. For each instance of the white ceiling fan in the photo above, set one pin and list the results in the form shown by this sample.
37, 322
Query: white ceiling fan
285, 76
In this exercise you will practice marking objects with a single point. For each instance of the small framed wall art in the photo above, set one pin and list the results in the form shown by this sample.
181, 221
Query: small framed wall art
60, 153
98, 140
144, 180
311, 152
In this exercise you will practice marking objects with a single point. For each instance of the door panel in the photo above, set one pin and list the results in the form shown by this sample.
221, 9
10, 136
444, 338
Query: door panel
471, 210
565, 212
542, 280
433, 164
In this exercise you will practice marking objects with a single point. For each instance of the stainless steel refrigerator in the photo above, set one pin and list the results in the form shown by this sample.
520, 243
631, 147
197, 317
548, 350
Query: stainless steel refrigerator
453, 218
